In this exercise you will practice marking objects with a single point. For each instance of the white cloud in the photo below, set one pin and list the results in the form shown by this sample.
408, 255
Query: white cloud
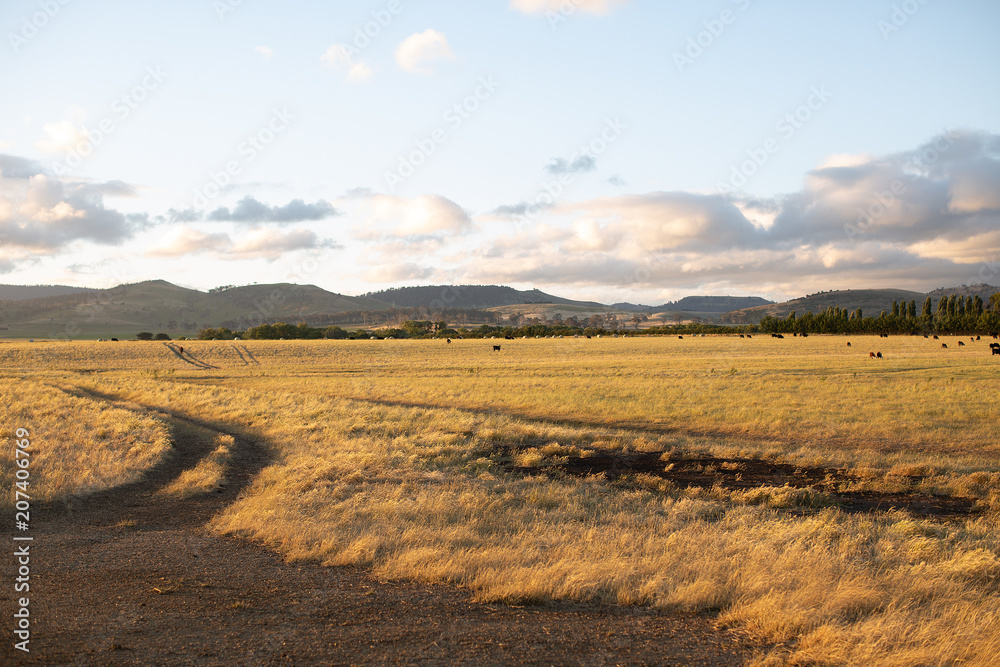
43, 214
268, 244
271, 244
929, 215
591, 6
421, 216
265, 52
339, 57
63, 137
186, 241
416, 52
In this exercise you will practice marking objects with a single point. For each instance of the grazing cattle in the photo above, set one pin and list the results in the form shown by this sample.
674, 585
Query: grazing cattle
848, 343
926, 336
180, 349
588, 337
749, 336
878, 355
496, 348
944, 345
681, 337
977, 337
742, 336
115, 339
935, 337
996, 350
871, 355
448, 341
961, 343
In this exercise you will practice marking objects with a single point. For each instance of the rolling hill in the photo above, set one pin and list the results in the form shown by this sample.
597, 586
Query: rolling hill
158, 305
870, 301
24, 292
472, 296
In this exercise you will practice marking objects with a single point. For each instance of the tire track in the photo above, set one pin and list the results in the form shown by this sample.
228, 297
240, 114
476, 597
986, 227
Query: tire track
190, 358
128, 576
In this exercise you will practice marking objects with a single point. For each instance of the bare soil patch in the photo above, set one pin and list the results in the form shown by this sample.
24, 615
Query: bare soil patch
703, 471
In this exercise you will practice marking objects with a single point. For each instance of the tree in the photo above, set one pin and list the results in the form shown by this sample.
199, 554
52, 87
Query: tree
144, 335
912, 310
926, 313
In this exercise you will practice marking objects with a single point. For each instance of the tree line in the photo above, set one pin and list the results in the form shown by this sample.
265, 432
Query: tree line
953, 315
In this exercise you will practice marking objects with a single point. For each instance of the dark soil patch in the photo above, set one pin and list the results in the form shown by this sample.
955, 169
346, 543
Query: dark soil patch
744, 473
129, 577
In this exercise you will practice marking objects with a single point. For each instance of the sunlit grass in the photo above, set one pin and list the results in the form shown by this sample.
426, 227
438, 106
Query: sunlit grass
78, 445
385, 455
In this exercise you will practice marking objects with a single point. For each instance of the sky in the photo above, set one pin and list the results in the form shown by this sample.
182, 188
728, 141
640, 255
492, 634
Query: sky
609, 150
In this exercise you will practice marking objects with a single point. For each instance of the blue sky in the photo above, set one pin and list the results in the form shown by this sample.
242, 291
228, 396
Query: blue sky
602, 149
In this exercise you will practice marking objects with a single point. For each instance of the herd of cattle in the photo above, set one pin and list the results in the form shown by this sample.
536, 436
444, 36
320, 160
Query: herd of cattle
994, 347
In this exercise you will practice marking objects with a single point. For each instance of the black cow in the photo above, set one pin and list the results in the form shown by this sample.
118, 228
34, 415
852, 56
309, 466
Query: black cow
961, 343
115, 339
681, 337
935, 337
448, 341
496, 348
944, 345
996, 350
878, 355
848, 343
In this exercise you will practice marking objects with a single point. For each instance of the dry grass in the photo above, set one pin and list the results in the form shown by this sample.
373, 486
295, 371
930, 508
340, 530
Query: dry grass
208, 475
78, 445
414, 489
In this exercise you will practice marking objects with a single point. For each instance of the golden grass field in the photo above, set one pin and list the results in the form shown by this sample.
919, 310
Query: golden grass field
387, 454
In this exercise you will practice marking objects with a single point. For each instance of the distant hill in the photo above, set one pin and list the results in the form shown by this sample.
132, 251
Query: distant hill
870, 301
982, 290
158, 305
23, 292
471, 296
713, 304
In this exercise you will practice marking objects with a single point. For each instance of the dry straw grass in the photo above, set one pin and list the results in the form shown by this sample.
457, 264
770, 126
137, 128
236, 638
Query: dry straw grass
372, 469
78, 445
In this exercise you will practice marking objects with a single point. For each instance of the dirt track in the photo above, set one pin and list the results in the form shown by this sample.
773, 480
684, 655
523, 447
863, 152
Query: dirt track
129, 577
